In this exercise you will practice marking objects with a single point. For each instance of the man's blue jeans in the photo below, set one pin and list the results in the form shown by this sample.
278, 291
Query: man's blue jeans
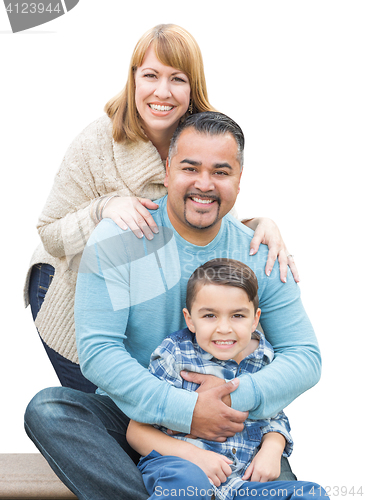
83, 438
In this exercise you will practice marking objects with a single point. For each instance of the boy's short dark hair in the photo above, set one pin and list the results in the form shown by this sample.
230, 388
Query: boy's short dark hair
228, 272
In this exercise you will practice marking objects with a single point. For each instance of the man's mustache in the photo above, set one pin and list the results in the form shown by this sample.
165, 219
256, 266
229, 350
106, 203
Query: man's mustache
203, 197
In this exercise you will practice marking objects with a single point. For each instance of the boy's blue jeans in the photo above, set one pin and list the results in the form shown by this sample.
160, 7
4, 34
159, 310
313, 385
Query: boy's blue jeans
83, 438
169, 477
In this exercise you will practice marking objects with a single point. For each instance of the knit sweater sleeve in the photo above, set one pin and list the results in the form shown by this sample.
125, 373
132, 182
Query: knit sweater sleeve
66, 221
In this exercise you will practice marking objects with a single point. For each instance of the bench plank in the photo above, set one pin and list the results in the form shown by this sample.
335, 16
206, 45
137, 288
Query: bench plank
28, 475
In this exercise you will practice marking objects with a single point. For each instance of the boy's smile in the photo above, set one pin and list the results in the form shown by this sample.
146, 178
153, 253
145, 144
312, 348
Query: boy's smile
223, 319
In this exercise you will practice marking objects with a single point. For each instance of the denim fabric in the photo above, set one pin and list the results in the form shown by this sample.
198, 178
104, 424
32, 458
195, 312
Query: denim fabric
82, 436
68, 373
170, 477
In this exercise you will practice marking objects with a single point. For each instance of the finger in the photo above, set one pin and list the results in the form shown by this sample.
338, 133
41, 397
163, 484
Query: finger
256, 476
146, 218
256, 240
220, 439
119, 221
247, 473
225, 389
144, 227
271, 258
226, 469
216, 481
293, 268
144, 221
172, 433
283, 265
148, 203
197, 378
136, 223
221, 476
128, 220
232, 428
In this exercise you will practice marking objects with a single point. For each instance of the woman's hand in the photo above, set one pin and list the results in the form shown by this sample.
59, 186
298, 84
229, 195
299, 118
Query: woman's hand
128, 212
267, 232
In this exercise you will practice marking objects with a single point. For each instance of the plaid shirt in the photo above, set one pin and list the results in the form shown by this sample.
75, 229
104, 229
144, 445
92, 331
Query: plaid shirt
180, 351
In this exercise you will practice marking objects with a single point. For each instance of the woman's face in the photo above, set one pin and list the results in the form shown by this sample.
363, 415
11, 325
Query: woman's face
162, 96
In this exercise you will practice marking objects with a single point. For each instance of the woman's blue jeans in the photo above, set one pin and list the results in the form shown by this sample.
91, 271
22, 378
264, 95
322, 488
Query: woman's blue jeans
68, 373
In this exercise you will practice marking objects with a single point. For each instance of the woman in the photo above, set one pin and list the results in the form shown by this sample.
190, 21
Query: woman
114, 168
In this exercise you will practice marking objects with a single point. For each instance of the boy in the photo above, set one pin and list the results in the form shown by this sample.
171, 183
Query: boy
222, 315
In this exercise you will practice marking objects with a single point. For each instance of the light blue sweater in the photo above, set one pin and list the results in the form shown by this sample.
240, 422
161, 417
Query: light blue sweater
129, 296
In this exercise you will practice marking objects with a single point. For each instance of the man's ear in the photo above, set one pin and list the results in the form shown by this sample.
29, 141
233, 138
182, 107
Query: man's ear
239, 182
188, 320
166, 181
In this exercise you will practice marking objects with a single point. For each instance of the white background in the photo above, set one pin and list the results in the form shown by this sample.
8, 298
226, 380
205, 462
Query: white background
292, 74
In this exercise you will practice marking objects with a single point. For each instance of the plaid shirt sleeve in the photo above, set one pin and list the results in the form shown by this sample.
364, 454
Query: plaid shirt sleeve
164, 362
280, 424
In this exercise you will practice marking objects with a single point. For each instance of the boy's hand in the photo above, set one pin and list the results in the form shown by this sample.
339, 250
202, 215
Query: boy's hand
263, 468
215, 466
266, 465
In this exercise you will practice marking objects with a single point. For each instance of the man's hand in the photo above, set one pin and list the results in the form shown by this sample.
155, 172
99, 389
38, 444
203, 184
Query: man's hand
206, 382
213, 419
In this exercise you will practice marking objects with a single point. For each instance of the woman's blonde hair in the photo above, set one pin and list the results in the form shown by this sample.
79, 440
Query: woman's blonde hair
174, 47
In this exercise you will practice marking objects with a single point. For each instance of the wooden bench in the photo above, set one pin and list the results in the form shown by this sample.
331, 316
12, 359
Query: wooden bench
28, 475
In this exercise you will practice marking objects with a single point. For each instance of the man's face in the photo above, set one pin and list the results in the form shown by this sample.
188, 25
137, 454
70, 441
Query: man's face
203, 183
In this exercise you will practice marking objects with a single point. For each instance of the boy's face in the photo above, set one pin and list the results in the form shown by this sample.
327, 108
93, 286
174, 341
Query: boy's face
223, 319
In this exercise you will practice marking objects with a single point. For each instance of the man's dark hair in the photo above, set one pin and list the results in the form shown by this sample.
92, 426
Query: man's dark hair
211, 123
228, 272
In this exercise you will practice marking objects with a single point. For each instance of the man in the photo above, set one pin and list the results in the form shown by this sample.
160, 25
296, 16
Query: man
130, 295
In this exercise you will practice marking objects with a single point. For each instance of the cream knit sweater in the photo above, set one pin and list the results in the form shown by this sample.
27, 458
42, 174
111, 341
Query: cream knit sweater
93, 166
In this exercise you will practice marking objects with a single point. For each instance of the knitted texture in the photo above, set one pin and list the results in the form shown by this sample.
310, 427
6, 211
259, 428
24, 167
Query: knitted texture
94, 166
